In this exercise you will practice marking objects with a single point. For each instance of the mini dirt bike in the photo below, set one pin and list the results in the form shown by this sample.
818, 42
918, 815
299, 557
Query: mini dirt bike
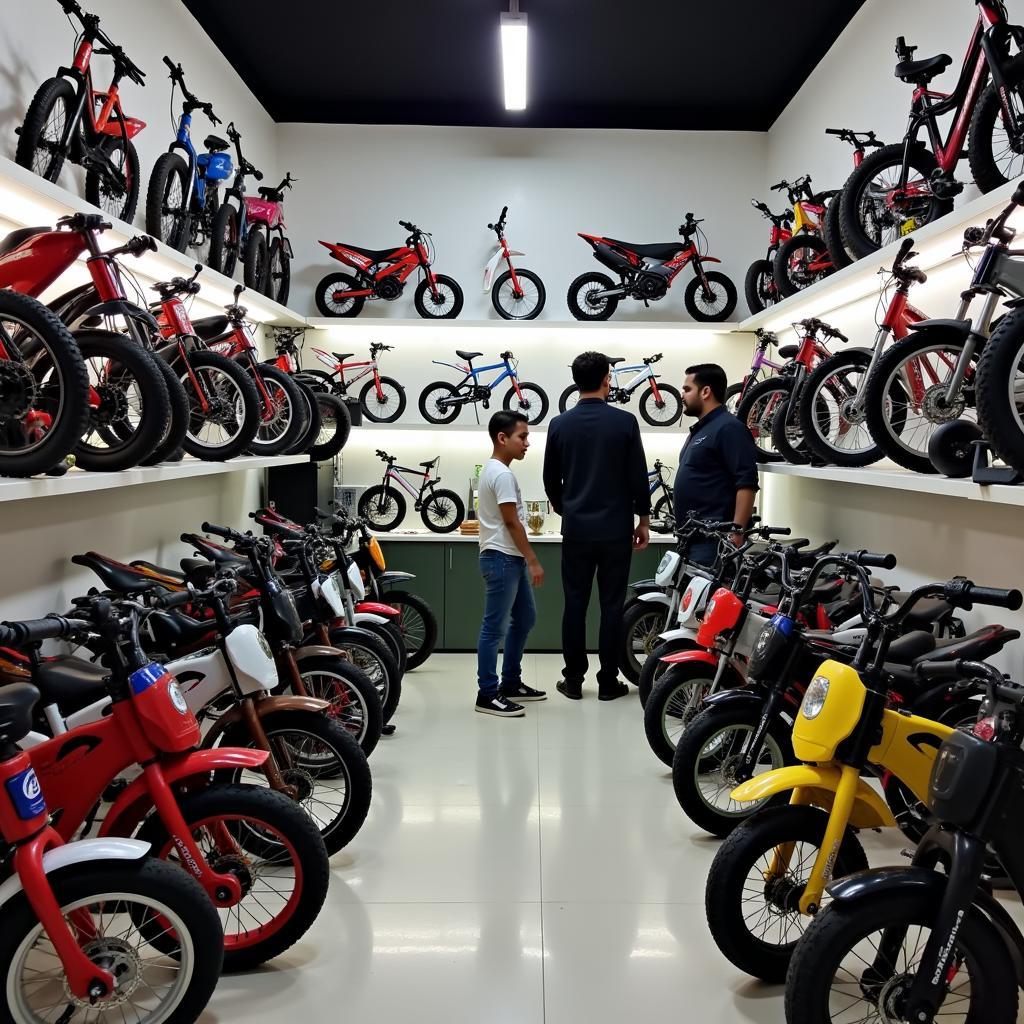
899, 188
268, 268
861, 142
661, 404
69, 120
382, 274
182, 200
382, 398
383, 507
803, 258
647, 271
78, 936
759, 283
845, 727
441, 402
515, 294
232, 239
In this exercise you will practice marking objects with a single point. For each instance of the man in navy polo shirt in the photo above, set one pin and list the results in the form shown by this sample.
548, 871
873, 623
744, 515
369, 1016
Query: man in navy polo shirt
717, 475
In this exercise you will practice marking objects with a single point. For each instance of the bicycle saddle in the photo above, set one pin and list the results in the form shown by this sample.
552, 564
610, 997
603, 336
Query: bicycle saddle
15, 238
926, 613
172, 575
16, 704
215, 144
198, 571
213, 552
342, 356
788, 351
209, 327
921, 72
115, 575
431, 463
616, 360
468, 356
656, 250
377, 255
71, 683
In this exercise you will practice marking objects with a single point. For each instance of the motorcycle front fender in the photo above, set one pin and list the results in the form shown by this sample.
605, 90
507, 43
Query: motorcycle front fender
377, 620
700, 656
318, 650
134, 803
737, 697
385, 579
678, 634
379, 608
264, 706
493, 263
817, 786
708, 259
654, 597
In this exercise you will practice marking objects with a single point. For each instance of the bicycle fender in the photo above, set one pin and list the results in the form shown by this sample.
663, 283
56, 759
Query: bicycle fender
379, 608
753, 698
678, 634
268, 705
882, 881
817, 785
653, 597
318, 651
134, 803
80, 852
377, 620
492, 266
941, 330
709, 259
698, 656
119, 307
385, 579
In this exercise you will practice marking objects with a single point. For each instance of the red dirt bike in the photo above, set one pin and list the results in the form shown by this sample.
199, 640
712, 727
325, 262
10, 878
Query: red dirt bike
759, 285
70, 120
132, 397
646, 272
253, 851
901, 187
382, 274
270, 268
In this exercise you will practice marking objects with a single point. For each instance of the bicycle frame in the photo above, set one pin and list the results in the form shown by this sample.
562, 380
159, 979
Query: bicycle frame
339, 368
473, 372
394, 472
237, 344
400, 263
502, 252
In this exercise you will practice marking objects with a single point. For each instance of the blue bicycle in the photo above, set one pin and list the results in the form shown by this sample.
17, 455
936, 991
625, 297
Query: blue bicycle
441, 401
183, 199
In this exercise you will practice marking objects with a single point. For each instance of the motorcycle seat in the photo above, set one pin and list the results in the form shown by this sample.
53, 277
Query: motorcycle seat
789, 351
921, 72
116, 576
907, 649
468, 356
70, 683
656, 250
377, 255
926, 613
208, 327
214, 552
12, 240
616, 360
16, 704
215, 144
982, 643
171, 574
198, 571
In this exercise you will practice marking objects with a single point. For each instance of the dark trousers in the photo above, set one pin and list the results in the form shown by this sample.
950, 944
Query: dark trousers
581, 560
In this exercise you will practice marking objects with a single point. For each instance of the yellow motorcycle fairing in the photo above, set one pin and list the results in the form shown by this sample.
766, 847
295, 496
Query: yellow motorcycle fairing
816, 785
816, 739
908, 748
803, 220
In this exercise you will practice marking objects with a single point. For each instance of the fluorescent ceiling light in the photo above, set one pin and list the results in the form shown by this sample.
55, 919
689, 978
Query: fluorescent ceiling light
513, 57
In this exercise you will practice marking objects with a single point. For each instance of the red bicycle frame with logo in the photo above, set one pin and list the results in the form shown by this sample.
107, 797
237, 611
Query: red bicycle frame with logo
339, 367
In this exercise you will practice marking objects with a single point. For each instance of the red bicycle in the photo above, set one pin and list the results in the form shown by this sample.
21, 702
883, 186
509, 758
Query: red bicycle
269, 271
759, 285
901, 187
516, 294
382, 274
647, 271
70, 120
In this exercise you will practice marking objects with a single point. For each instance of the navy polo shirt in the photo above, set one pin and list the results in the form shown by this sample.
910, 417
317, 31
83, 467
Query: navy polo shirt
718, 459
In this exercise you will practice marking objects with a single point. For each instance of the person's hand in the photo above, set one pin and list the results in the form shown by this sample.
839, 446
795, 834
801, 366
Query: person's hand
641, 537
536, 573
737, 539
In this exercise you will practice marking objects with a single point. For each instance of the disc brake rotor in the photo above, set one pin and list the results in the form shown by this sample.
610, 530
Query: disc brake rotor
936, 410
118, 958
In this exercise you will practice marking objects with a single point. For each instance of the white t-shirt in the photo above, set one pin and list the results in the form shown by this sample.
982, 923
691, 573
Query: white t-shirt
498, 486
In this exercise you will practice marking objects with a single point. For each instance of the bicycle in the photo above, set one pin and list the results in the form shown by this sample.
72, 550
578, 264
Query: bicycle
803, 258
91, 128
440, 402
662, 508
382, 399
516, 294
182, 200
861, 142
231, 236
383, 507
661, 405
269, 268
765, 339
759, 283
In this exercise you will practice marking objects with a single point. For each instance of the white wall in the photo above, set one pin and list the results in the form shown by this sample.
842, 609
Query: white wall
35, 38
357, 181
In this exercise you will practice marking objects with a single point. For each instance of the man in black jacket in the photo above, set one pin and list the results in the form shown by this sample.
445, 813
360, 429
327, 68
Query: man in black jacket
595, 476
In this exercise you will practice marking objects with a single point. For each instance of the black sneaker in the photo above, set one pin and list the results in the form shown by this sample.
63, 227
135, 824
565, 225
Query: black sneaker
524, 693
499, 705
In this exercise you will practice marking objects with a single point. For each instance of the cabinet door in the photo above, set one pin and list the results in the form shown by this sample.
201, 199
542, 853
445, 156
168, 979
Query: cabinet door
463, 596
427, 561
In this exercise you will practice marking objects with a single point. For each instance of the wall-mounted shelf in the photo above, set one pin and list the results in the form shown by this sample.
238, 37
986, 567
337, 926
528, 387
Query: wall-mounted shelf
434, 431
894, 478
359, 325
28, 200
939, 245
77, 481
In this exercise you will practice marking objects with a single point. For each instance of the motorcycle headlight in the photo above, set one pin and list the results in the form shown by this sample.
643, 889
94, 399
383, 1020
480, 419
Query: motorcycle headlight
814, 698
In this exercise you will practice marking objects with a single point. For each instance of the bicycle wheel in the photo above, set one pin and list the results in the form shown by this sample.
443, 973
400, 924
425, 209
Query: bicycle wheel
759, 286
664, 410
642, 623
757, 409
169, 447
446, 304
524, 304
787, 437
46, 120
436, 405
1000, 390
793, 269
279, 275
311, 420
995, 154
224, 240
335, 427
714, 305
584, 301
167, 212
255, 260
382, 507
442, 511
354, 700
732, 397
282, 412
386, 405
417, 623
117, 196
331, 299
225, 414
569, 398
530, 400
671, 705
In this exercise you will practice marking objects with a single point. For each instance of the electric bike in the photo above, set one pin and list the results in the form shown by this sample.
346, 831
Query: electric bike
516, 294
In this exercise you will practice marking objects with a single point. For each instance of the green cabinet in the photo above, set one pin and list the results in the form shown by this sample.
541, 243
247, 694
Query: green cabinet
448, 578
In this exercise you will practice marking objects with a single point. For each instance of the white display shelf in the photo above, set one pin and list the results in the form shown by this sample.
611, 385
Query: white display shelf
361, 325
77, 481
27, 200
938, 244
457, 537
894, 478
436, 431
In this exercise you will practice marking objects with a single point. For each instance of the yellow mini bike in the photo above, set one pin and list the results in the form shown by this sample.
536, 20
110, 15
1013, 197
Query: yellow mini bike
769, 877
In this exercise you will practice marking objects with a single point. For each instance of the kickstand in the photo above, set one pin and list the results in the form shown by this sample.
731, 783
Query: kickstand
985, 473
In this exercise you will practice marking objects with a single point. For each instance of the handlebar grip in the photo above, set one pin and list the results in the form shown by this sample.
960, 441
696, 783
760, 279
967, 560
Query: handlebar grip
504, 210
940, 671
908, 244
175, 600
405, 224
835, 131
218, 531
874, 560
53, 627
995, 596
775, 531
258, 175
171, 64
797, 545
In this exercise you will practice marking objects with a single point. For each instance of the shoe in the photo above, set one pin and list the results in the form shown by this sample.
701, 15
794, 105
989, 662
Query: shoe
498, 705
570, 691
613, 692
524, 693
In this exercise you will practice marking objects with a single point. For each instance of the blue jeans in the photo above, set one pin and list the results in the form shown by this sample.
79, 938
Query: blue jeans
509, 615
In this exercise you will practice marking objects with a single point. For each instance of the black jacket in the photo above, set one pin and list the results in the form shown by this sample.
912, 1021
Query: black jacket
595, 471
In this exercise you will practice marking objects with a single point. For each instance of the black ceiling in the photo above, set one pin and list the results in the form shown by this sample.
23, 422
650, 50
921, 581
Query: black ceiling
675, 64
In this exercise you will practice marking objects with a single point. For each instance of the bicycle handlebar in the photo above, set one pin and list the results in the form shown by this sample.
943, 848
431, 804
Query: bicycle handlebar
31, 631
963, 593
871, 559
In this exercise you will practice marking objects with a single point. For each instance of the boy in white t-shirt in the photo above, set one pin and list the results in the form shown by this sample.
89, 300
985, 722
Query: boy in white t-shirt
510, 570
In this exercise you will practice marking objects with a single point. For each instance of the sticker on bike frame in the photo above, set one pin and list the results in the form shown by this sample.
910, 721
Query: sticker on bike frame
783, 623
149, 675
26, 794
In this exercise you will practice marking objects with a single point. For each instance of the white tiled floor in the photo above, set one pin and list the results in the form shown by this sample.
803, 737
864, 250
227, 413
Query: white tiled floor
525, 871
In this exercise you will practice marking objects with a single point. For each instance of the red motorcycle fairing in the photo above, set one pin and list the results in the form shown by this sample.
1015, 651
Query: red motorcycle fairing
377, 608
691, 655
723, 612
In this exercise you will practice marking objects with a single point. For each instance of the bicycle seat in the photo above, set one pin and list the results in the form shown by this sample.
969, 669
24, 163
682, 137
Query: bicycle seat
616, 360
198, 571
116, 575
208, 327
12, 240
788, 351
431, 464
214, 552
16, 704
215, 144
926, 613
468, 356
377, 255
172, 575
976, 646
911, 646
342, 356
656, 250
921, 72
70, 683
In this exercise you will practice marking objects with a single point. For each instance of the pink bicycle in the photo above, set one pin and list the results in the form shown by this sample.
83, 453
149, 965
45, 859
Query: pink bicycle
757, 371
269, 271
383, 506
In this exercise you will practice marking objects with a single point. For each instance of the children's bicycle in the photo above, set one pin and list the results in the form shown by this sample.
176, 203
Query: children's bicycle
663, 507
660, 406
382, 398
441, 401
383, 506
